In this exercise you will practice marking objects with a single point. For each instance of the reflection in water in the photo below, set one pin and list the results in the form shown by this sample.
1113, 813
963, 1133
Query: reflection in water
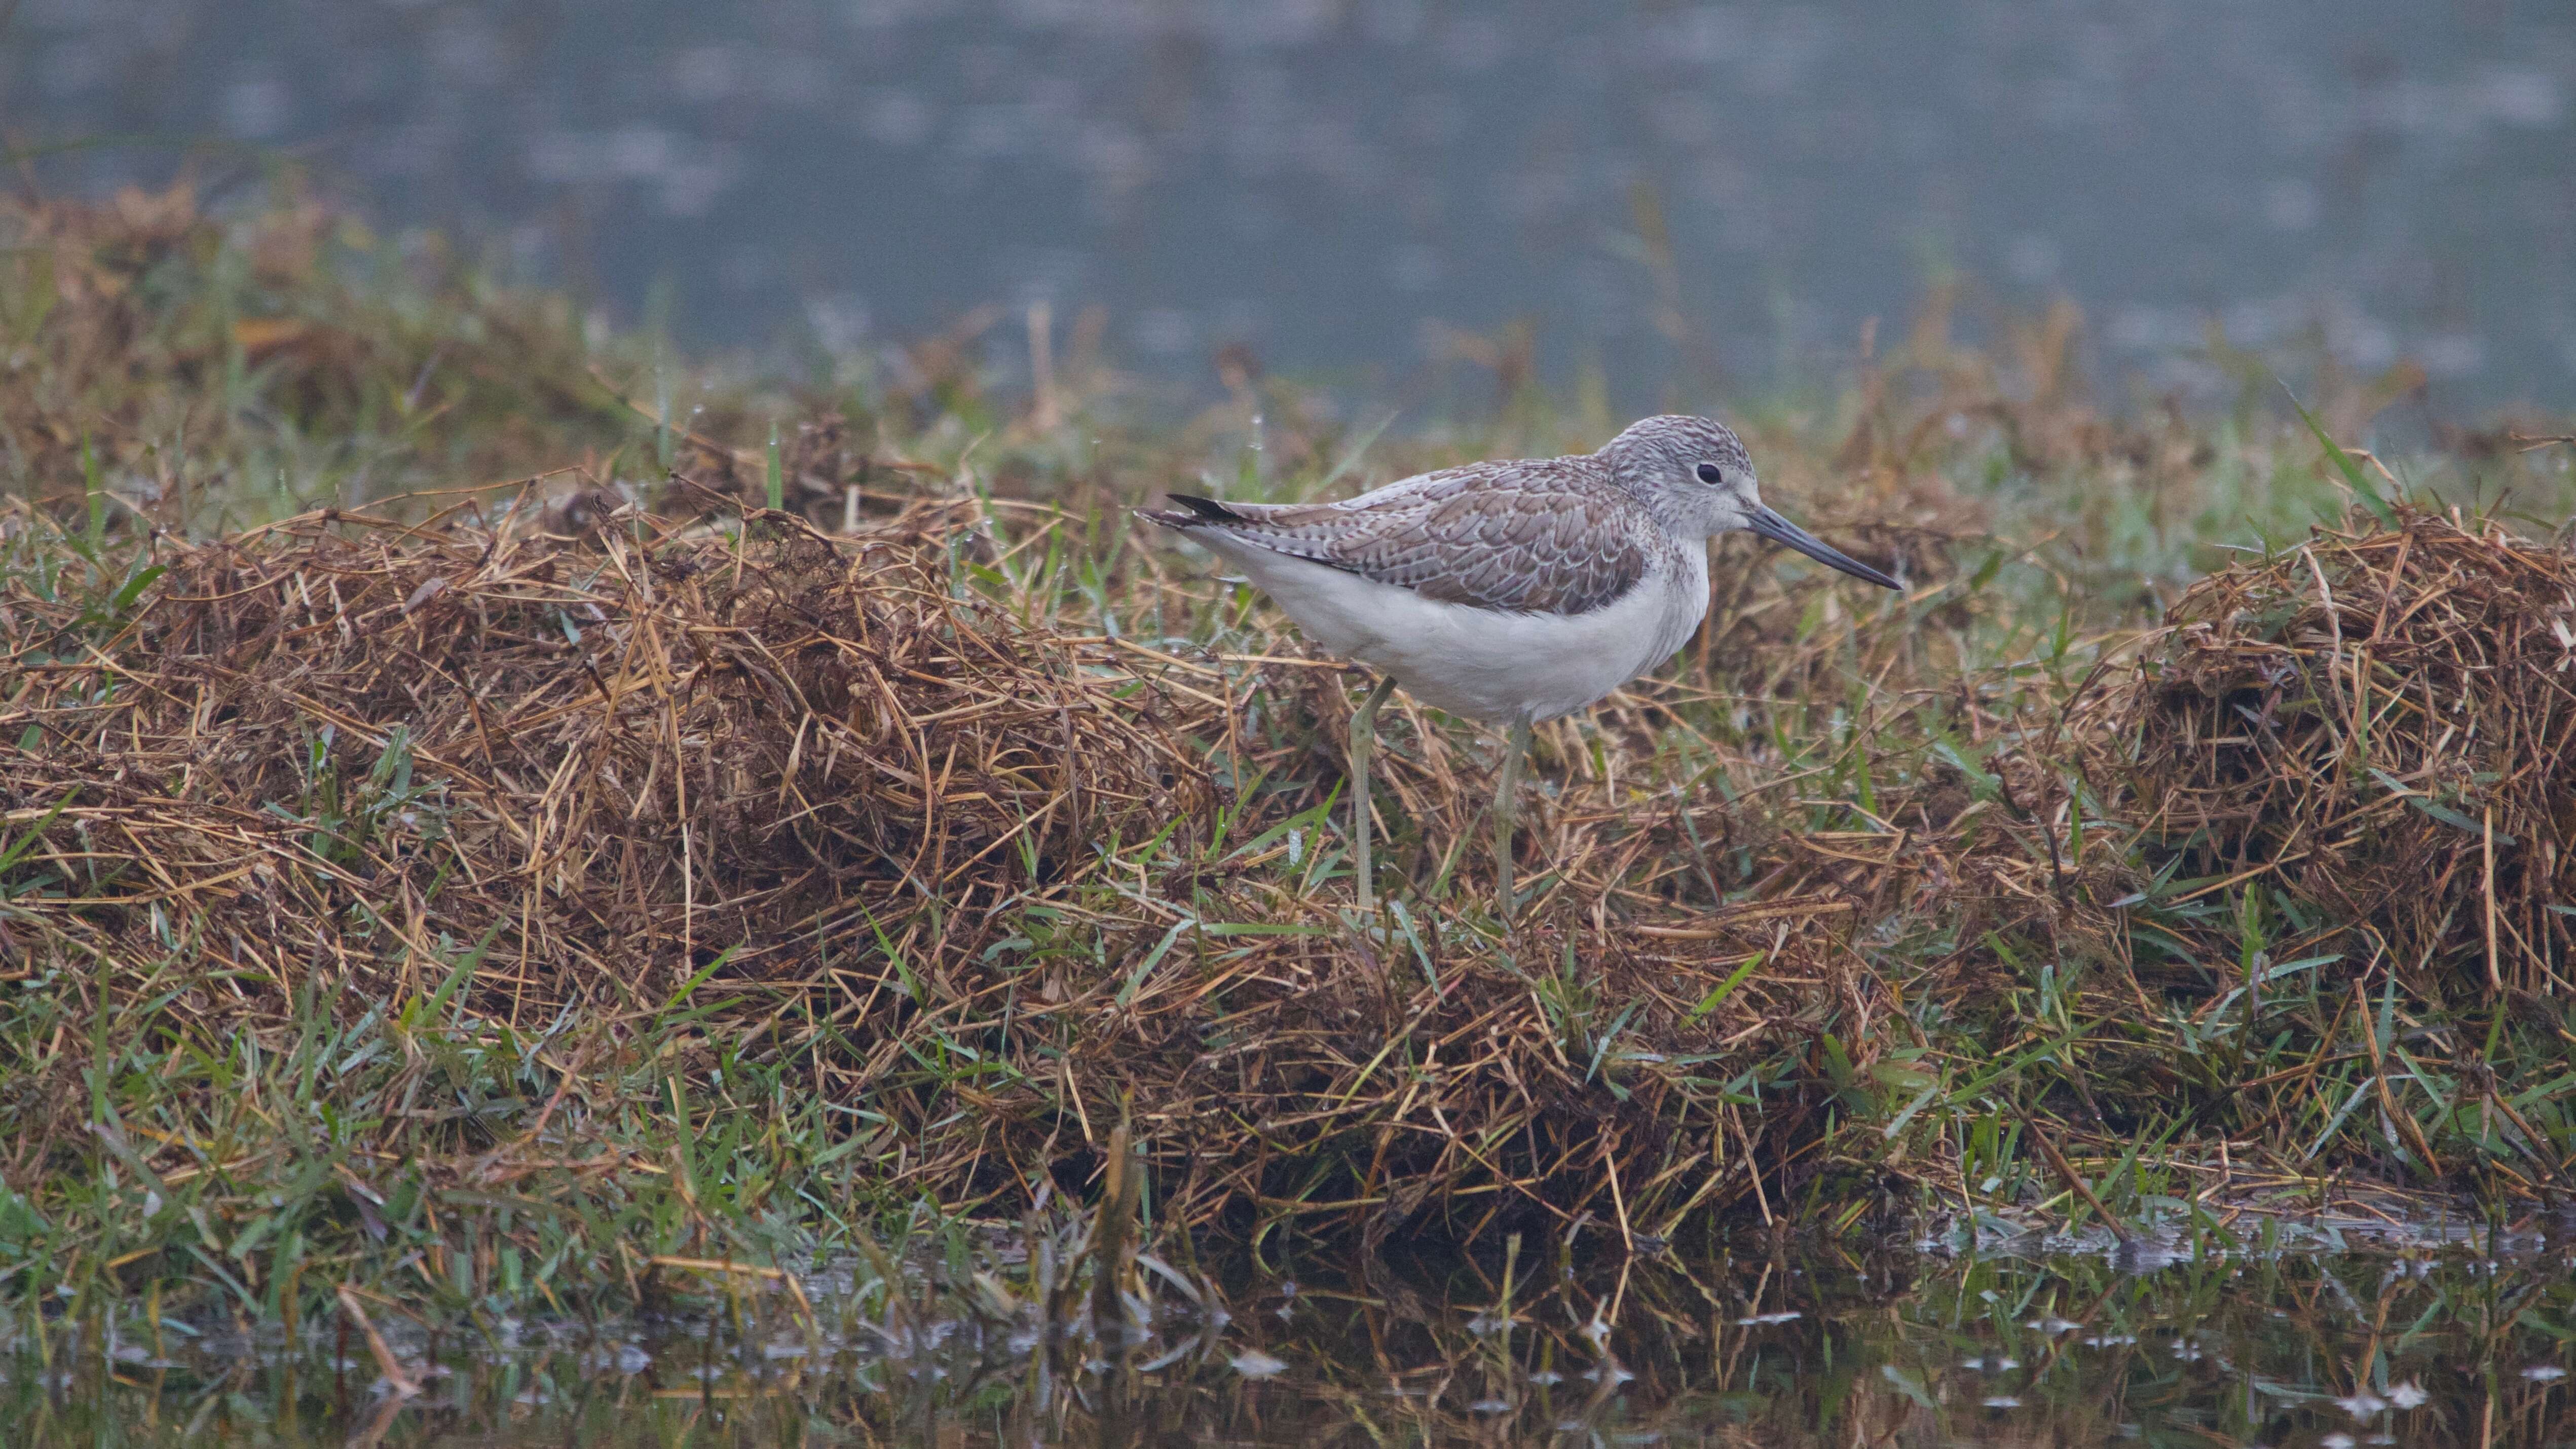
1774, 1343
1695, 193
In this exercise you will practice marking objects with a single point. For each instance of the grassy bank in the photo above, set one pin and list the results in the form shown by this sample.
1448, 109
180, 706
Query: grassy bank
496, 814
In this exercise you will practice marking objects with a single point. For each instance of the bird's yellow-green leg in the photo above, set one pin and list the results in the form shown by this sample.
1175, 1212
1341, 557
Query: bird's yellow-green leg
1363, 743
1506, 795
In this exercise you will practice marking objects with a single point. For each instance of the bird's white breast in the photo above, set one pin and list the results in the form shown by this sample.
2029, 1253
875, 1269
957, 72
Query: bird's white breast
1482, 663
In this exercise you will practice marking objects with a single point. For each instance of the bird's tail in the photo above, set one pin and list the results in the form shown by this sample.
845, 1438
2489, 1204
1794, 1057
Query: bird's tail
1193, 512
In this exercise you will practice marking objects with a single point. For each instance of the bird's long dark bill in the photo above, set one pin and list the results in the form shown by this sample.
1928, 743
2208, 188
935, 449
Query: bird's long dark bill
1780, 530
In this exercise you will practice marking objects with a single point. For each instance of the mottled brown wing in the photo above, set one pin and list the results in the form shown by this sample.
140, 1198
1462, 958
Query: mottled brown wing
1545, 536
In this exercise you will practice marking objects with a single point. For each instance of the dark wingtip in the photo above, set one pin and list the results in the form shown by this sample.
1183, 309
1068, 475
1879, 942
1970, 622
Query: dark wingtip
1198, 511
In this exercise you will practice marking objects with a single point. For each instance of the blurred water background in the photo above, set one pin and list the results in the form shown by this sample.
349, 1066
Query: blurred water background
1699, 197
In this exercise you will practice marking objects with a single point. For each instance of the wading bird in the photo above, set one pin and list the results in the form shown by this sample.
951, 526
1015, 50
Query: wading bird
1506, 592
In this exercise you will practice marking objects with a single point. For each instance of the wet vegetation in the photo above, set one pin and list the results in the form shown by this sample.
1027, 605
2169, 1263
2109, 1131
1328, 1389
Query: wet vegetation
499, 823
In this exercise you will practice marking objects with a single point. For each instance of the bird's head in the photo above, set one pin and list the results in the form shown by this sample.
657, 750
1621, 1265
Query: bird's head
1698, 473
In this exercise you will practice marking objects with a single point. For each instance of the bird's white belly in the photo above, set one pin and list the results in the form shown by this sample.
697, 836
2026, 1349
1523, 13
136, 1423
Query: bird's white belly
1480, 663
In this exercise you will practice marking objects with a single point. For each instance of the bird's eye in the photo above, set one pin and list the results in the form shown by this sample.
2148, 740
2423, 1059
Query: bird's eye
1708, 473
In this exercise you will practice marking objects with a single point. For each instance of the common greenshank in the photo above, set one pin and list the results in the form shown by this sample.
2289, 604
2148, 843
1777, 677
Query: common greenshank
1506, 592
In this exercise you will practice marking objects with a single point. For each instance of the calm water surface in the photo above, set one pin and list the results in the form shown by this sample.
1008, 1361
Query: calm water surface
1785, 1345
1698, 195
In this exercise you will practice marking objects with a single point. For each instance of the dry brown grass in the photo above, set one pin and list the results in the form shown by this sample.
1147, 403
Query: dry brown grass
821, 765
1005, 885
2387, 718
801, 722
